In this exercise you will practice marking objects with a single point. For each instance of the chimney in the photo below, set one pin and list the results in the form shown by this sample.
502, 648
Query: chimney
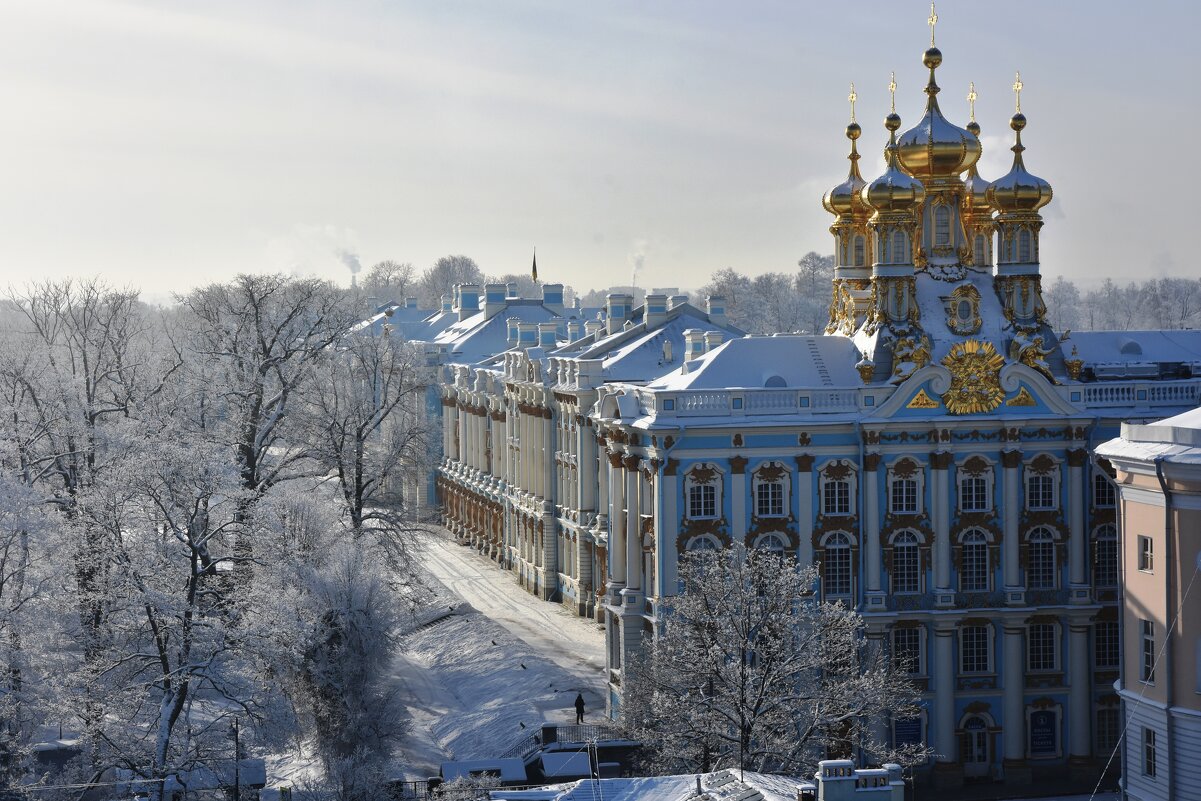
593, 327
694, 344
469, 299
547, 334
716, 306
527, 334
617, 308
676, 301
552, 297
712, 340
590, 373
656, 311
512, 331
494, 300
511, 289
410, 302
574, 330
447, 305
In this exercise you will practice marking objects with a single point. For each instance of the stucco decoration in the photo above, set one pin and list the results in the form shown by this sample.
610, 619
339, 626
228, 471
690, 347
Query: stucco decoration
975, 369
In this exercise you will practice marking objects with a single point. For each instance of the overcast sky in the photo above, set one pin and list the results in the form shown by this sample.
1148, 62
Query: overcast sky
166, 144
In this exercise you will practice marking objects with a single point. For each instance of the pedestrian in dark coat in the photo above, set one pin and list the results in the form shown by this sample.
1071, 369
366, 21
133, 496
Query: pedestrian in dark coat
579, 708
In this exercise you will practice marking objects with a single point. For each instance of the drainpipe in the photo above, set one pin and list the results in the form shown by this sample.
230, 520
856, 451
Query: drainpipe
1169, 562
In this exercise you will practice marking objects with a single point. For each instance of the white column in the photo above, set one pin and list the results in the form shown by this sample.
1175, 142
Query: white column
1010, 565
1078, 691
871, 521
617, 523
633, 553
802, 491
738, 521
667, 529
940, 518
1014, 722
944, 693
1077, 567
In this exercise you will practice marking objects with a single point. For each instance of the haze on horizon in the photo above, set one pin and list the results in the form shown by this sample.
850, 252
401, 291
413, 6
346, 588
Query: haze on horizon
164, 146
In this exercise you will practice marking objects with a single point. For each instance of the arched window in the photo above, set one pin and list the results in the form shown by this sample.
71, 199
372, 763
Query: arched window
860, 256
836, 579
974, 575
1024, 246
899, 248
906, 563
703, 542
1105, 557
980, 253
1040, 574
772, 542
942, 225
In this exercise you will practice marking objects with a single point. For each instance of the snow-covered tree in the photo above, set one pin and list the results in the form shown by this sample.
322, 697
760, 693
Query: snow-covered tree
752, 670
443, 274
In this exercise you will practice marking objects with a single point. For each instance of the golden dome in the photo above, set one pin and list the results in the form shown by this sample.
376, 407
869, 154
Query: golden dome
1018, 190
844, 199
976, 195
936, 147
893, 191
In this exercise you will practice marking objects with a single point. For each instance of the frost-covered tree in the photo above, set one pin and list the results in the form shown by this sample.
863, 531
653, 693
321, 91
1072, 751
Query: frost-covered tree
389, 281
443, 274
752, 670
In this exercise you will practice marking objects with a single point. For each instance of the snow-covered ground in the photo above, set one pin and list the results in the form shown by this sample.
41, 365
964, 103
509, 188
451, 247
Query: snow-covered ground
502, 661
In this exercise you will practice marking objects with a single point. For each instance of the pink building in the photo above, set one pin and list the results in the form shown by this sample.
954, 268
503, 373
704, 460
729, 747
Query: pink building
1158, 469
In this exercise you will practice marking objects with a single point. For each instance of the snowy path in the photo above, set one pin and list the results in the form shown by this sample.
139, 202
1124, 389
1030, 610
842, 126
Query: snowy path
479, 680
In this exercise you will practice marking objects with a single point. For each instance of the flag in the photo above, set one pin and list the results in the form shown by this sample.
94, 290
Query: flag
534, 269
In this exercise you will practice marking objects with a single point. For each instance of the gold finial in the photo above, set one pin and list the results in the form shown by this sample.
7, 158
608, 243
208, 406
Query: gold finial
852, 97
1017, 91
971, 99
892, 91
932, 21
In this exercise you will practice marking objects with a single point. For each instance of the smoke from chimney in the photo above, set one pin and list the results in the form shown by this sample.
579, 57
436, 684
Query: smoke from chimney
350, 260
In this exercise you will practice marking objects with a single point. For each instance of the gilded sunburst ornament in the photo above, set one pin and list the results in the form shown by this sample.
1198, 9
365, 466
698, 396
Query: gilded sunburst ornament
975, 378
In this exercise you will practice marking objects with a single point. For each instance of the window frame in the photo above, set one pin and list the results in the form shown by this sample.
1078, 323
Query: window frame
1146, 631
700, 498
1107, 572
1042, 648
916, 648
987, 650
1149, 753
1107, 645
843, 544
912, 546
979, 540
1105, 492
1049, 491
942, 226
774, 500
1146, 554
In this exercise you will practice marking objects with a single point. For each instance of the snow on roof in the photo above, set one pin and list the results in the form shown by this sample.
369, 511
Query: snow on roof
777, 361
721, 786
477, 337
1114, 347
1176, 439
566, 764
509, 770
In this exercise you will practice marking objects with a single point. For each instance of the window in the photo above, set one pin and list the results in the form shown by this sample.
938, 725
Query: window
899, 247
1040, 646
1147, 669
903, 496
1040, 491
973, 494
769, 499
1106, 646
974, 575
973, 649
837, 579
942, 226
1105, 557
1024, 246
836, 497
860, 257
1104, 494
702, 501
1109, 729
1040, 574
907, 650
1149, 752
906, 563
981, 258
703, 543
1146, 554
771, 542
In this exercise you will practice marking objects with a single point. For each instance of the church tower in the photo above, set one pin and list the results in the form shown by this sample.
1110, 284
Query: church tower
852, 244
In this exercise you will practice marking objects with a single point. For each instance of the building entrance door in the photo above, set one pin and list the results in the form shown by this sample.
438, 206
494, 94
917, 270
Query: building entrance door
976, 758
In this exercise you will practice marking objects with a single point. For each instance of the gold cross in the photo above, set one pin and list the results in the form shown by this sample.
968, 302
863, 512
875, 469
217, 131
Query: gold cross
932, 21
852, 97
892, 90
971, 98
1017, 91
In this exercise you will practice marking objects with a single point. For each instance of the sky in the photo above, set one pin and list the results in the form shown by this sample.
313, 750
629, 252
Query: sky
165, 145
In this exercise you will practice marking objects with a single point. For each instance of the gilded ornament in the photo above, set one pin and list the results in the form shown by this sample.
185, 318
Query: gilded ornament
1074, 365
975, 368
1023, 398
922, 401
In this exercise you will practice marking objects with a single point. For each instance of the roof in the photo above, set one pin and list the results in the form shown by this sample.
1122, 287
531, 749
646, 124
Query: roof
510, 770
724, 785
785, 361
1175, 439
478, 337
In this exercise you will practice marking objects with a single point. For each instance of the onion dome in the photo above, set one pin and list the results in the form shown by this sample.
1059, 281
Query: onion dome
844, 199
976, 195
936, 147
894, 190
1018, 190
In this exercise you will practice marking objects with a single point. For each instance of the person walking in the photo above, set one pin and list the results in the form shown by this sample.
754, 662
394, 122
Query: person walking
579, 708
